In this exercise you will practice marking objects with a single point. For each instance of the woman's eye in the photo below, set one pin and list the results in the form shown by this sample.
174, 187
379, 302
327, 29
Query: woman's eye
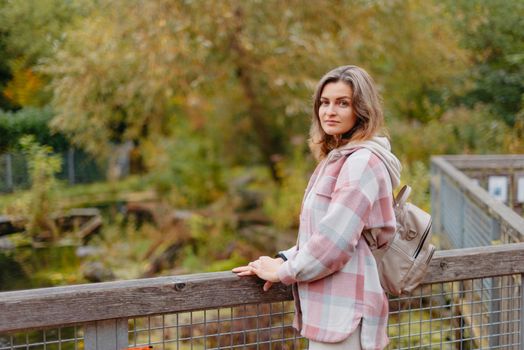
324, 103
344, 104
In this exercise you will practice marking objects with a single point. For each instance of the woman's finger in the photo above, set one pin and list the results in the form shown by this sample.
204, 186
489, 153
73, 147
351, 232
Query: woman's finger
246, 273
242, 269
267, 285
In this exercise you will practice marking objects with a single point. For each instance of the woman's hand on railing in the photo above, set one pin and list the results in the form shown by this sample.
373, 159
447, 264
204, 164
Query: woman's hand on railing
264, 267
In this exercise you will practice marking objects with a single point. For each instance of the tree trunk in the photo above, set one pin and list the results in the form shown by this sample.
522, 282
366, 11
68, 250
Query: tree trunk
244, 70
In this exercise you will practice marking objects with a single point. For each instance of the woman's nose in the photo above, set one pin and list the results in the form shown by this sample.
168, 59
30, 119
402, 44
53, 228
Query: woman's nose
331, 109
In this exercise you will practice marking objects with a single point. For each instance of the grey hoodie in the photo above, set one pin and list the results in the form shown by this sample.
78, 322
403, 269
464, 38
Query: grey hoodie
381, 147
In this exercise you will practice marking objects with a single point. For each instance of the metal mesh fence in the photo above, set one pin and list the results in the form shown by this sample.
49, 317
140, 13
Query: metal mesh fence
66, 338
452, 212
478, 226
77, 167
460, 216
472, 314
483, 313
465, 223
13, 172
260, 326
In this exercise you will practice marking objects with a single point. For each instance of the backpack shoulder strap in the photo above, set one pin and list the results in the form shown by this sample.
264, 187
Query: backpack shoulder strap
402, 196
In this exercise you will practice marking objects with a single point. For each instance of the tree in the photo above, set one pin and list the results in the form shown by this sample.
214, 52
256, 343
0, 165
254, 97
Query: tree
493, 32
242, 72
29, 31
5, 73
415, 54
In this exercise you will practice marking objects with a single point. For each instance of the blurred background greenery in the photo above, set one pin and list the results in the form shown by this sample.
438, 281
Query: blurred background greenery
211, 101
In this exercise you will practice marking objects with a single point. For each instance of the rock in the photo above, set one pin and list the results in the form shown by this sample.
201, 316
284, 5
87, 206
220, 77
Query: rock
97, 272
87, 250
5, 243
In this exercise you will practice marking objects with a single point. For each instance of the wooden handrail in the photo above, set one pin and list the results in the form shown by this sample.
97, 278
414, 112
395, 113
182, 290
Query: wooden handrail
486, 162
480, 196
60, 306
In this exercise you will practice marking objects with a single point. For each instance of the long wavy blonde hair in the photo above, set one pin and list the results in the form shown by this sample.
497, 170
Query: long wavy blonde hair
366, 104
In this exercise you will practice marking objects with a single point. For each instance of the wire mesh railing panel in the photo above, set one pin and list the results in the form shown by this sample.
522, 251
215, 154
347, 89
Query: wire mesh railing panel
458, 315
480, 313
65, 338
452, 212
483, 313
259, 326
465, 213
478, 230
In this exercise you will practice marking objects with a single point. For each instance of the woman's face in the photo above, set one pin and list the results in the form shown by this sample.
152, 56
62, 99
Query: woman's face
336, 109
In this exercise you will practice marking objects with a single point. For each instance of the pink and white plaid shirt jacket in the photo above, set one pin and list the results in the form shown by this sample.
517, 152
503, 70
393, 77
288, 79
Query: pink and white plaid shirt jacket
334, 275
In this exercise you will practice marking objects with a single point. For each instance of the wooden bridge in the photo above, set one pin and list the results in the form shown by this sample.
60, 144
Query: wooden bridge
471, 298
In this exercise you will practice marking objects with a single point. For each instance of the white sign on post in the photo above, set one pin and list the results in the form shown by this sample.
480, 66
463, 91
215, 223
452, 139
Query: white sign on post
520, 190
498, 187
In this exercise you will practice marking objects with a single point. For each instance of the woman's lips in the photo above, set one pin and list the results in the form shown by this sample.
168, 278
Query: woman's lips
331, 122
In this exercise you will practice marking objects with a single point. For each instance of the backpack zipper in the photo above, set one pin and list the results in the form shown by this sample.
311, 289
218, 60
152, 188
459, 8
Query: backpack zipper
421, 243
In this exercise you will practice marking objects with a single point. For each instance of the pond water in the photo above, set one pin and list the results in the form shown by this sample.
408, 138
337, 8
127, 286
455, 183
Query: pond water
27, 264
36, 267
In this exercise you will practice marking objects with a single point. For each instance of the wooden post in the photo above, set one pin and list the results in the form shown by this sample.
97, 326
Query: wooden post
71, 165
106, 335
8, 172
495, 231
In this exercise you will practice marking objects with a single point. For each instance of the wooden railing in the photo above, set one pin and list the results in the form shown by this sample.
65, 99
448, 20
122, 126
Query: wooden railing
104, 315
471, 298
481, 168
463, 209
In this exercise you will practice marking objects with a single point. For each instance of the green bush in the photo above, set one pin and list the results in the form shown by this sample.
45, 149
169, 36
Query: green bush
283, 203
38, 203
416, 175
29, 121
186, 170
458, 131
212, 247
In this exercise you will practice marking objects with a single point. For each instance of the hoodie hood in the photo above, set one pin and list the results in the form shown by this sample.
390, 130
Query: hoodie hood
381, 147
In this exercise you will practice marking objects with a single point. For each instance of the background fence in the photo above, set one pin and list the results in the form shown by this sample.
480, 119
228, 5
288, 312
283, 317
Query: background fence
77, 167
223, 311
477, 201
463, 209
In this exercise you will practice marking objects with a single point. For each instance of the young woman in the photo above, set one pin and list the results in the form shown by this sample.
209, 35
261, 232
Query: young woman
339, 301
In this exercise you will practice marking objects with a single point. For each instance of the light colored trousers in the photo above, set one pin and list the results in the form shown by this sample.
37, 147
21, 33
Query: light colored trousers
351, 343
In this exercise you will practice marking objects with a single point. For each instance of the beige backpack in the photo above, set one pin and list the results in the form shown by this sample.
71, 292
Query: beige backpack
403, 262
